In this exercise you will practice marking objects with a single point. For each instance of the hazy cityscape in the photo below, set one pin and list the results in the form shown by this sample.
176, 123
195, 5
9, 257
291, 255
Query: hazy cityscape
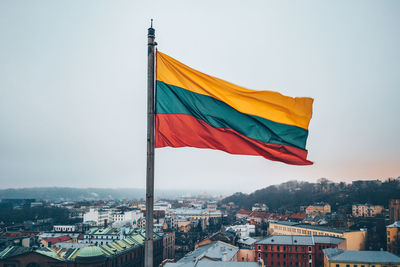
321, 217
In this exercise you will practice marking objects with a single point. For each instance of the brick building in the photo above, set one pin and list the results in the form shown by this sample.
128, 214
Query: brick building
294, 250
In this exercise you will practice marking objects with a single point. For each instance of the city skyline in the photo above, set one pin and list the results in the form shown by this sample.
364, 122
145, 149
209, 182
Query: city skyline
73, 88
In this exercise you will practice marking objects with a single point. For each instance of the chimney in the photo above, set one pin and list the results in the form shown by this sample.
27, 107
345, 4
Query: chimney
224, 256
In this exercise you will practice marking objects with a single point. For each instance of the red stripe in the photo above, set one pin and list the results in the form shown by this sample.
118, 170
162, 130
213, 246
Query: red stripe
181, 130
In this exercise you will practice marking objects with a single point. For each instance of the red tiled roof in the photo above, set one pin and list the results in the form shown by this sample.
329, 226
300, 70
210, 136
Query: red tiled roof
244, 212
300, 216
18, 234
259, 214
270, 216
57, 239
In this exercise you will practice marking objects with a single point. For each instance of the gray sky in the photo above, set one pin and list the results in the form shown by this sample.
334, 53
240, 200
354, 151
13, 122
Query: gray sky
73, 88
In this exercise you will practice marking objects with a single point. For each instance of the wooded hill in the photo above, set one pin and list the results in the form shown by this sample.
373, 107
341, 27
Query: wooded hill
291, 195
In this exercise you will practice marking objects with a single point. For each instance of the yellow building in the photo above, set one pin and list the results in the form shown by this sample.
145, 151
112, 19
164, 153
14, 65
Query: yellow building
318, 209
355, 240
393, 238
334, 257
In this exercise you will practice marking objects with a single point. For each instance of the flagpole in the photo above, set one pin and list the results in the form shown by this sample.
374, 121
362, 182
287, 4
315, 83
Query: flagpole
148, 249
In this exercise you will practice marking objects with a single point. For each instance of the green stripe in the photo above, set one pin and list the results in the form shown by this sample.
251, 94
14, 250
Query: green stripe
175, 100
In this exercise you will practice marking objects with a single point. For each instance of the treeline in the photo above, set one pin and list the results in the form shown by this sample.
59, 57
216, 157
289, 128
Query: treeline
293, 194
15, 216
72, 194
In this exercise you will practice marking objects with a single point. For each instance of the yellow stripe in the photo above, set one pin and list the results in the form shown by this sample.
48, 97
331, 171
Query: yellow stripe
266, 104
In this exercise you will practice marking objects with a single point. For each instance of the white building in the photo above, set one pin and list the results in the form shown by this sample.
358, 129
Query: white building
103, 217
101, 236
64, 228
243, 230
128, 216
162, 205
100, 217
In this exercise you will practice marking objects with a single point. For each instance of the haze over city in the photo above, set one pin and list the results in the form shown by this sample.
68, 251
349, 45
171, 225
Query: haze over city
73, 88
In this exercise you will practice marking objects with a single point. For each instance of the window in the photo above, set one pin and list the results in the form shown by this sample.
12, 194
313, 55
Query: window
355, 265
278, 248
309, 249
278, 255
259, 247
337, 265
347, 265
259, 255
309, 256
284, 248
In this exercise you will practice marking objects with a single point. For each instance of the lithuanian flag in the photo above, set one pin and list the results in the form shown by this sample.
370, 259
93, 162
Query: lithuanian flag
194, 109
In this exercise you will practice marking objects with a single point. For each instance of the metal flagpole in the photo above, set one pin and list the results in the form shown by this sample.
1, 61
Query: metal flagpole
148, 250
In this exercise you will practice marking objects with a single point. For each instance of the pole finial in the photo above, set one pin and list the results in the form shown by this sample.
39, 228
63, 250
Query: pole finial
151, 31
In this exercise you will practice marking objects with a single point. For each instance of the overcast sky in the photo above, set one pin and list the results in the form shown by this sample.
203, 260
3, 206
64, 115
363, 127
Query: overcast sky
73, 88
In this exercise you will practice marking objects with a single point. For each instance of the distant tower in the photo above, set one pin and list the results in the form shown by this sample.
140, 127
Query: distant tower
394, 210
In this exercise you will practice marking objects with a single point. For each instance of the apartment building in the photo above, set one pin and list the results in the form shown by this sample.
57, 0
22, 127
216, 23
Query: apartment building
366, 210
355, 240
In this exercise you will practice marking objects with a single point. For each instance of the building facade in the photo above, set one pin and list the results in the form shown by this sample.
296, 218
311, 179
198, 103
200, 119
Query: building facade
394, 210
169, 245
320, 208
355, 240
366, 210
100, 217
295, 250
393, 238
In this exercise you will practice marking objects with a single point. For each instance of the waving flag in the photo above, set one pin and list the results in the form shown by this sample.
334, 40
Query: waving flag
194, 109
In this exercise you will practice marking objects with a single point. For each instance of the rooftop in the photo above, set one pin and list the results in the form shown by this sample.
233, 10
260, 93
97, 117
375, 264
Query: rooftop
314, 227
213, 264
382, 257
215, 250
90, 251
394, 225
69, 254
300, 240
